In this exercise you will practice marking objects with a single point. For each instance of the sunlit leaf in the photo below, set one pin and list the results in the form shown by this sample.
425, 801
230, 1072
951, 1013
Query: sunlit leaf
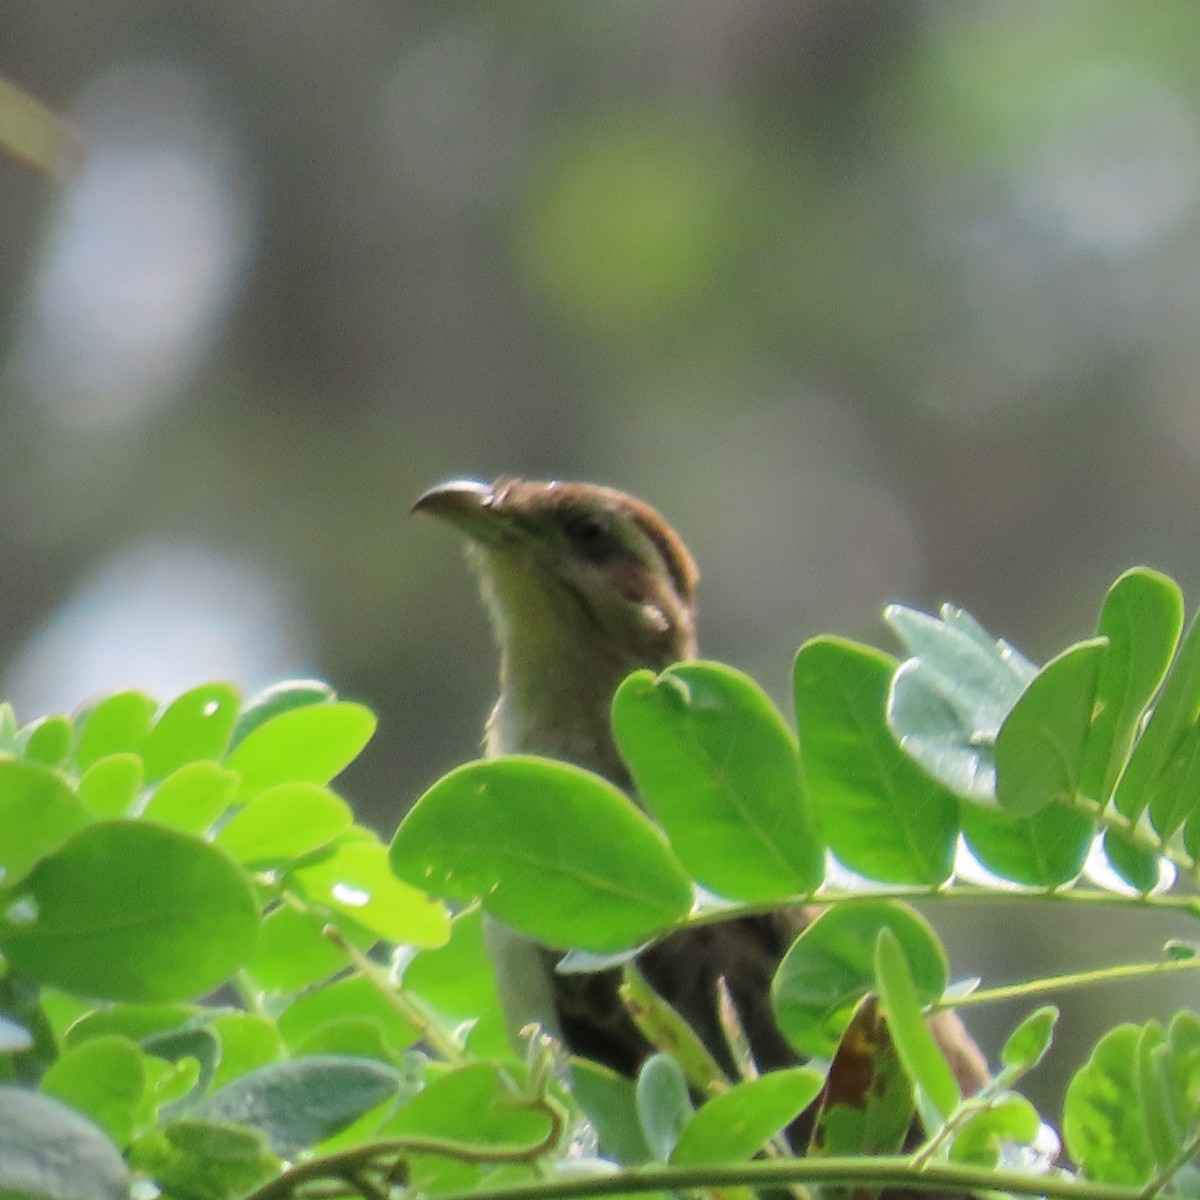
118, 724
355, 879
717, 765
285, 822
197, 725
38, 812
131, 911
192, 797
309, 744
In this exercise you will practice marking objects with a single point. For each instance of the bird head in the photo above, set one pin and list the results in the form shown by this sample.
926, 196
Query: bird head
583, 584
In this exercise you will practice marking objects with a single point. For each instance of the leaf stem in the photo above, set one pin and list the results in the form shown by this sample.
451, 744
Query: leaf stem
1062, 983
431, 1032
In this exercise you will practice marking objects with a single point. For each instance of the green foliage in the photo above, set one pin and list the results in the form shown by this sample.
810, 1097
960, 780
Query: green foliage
358, 1044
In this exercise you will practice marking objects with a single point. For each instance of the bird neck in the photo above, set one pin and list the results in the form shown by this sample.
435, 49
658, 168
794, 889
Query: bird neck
555, 700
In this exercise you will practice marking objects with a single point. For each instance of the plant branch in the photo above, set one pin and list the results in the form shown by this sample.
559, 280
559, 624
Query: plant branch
870, 1173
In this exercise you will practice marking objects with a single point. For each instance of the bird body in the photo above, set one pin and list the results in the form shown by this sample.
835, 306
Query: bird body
583, 585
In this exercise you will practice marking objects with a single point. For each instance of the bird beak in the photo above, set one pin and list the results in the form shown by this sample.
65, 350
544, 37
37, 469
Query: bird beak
468, 506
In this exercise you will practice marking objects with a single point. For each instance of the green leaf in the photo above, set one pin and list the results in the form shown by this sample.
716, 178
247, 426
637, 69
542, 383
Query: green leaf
1136, 865
1104, 1126
248, 1042
555, 851
126, 910
609, 1101
38, 812
353, 996
831, 965
293, 952
1041, 746
1176, 710
118, 724
209, 1160
1174, 796
947, 702
348, 1037
881, 814
299, 1103
1027, 1044
48, 741
458, 978
1141, 618
103, 1079
715, 762
197, 725
663, 1105
192, 797
278, 699
918, 1051
1163, 1135
310, 744
285, 822
355, 879
49, 1152
1045, 850
866, 1105
1008, 1120
197, 1044
733, 1126
110, 785
135, 1022
477, 1104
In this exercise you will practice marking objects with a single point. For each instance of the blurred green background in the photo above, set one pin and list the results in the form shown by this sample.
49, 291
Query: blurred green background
875, 299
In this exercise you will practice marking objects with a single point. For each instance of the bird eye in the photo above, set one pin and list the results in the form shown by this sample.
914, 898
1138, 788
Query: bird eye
591, 536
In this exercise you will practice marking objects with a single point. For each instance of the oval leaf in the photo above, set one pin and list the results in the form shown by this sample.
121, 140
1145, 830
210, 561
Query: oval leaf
49, 1152
918, 1051
734, 1125
197, 725
132, 911
555, 851
299, 1103
118, 724
1047, 849
285, 822
1041, 747
717, 765
1142, 618
310, 744
831, 966
277, 699
38, 812
357, 881
882, 815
